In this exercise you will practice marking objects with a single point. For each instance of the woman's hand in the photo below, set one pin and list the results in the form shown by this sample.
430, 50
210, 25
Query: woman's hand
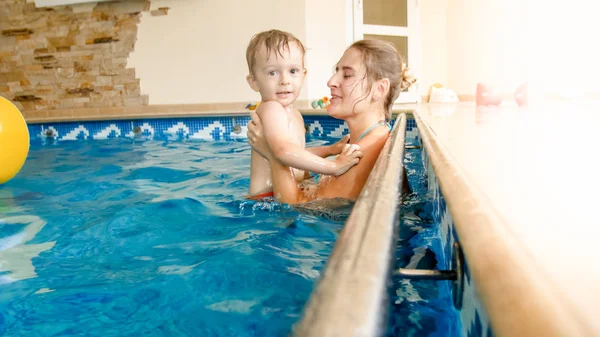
256, 137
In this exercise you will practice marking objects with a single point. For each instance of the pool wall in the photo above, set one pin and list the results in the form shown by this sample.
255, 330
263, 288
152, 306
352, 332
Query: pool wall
204, 128
474, 318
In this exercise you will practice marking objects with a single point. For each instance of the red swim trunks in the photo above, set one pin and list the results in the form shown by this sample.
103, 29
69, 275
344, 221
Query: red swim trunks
261, 196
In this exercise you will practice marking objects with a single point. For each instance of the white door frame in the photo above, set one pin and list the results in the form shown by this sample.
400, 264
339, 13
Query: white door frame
356, 31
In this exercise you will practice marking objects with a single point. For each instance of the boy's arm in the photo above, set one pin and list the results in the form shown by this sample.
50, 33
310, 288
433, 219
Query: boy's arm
275, 123
329, 150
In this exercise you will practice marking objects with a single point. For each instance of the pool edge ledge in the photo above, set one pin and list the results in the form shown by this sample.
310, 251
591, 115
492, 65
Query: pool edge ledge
516, 293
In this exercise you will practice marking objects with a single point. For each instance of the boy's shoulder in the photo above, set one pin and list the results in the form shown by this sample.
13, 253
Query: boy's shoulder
269, 106
299, 115
275, 107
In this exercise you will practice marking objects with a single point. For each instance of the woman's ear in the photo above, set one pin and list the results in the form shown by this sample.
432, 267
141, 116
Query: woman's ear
382, 88
252, 83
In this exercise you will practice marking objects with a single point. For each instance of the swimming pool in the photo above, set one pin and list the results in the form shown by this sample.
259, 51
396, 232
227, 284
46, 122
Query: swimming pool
124, 238
128, 237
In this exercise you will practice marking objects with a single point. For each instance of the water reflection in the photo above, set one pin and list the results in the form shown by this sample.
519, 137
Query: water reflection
15, 255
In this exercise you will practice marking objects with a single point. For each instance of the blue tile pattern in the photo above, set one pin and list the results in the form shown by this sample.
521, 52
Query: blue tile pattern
327, 127
475, 320
205, 128
410, 123
412, 133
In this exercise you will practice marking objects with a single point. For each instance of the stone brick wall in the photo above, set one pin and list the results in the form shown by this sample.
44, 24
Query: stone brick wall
69, 56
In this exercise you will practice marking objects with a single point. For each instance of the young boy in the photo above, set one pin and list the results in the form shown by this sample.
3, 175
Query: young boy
276, 70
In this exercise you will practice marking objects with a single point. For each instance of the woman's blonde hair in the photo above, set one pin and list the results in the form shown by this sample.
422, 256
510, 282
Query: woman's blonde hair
382, 60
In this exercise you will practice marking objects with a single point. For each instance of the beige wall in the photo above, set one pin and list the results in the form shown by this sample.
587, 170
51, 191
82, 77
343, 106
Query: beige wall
326, 40
434, 44
563, 53
196, 53
507, 42
469, 41
486, 43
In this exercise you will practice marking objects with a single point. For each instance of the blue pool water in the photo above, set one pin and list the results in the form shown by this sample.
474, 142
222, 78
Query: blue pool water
115, 238
420, 307
122, 238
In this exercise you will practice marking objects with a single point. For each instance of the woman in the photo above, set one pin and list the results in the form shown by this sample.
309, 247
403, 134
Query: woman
367, 80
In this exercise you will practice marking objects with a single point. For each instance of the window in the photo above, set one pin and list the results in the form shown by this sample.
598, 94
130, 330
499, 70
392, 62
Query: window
395, 21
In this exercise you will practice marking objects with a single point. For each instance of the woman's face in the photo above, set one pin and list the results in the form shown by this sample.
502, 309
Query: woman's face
350, 92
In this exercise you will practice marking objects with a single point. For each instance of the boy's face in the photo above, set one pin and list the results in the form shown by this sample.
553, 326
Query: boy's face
278, 78
350, 92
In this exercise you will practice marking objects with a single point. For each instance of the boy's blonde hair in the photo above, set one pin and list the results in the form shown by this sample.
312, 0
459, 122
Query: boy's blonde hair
272, 40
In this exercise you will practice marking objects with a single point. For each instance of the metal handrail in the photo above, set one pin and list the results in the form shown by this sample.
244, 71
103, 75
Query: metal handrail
351, 296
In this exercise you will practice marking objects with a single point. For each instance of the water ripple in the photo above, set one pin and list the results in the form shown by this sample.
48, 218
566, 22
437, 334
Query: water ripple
121, 238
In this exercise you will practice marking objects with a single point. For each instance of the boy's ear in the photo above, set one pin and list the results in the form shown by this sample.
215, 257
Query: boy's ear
252, 82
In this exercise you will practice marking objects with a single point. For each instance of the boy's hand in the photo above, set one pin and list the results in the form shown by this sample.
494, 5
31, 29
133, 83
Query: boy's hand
348, 157
340, 145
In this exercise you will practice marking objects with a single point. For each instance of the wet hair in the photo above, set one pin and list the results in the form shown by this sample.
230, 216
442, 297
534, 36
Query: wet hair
382, 60
272, 40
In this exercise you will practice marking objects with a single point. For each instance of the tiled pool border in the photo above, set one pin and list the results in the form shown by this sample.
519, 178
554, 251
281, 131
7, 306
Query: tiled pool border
202, 128
474, 318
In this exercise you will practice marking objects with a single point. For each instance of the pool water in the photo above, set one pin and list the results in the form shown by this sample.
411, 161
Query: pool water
420, 307
123, 238
118, 238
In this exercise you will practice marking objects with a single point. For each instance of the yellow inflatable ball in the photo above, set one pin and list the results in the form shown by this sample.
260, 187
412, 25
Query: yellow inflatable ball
14, 140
